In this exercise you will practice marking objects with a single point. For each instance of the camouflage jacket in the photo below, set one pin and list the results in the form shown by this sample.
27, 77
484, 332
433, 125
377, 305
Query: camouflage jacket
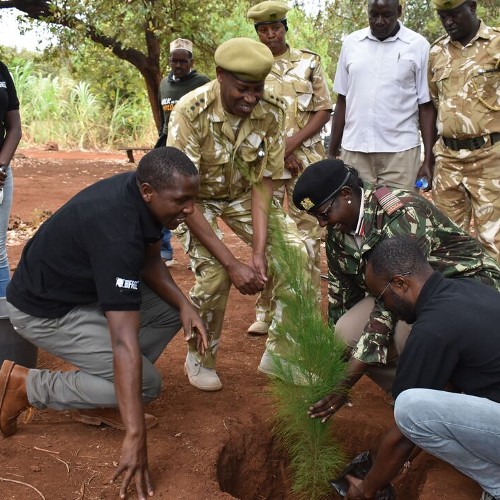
465, 84
390, 212
297, 76
228, 165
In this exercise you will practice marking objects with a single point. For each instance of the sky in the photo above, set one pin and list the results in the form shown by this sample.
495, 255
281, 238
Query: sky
11, 36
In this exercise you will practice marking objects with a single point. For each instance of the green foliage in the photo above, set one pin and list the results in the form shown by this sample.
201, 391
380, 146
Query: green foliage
315, 361
120, 50
70, 113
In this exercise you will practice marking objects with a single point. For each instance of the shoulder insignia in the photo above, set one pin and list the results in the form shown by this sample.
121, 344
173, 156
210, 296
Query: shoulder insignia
275, 99
194, 103
310, 52
389, 202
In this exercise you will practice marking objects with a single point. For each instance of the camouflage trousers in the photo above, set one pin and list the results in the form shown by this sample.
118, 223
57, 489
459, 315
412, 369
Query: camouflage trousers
310, 233
467, 184
211, 290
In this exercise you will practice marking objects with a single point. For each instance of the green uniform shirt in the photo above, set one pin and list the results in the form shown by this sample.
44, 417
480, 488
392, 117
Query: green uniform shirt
448, 249
228, 164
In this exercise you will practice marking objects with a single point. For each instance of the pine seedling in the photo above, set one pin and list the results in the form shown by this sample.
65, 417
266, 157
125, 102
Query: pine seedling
313, 368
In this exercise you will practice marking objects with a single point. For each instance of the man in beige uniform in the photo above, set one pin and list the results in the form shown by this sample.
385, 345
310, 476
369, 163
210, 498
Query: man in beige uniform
296, 76
464, 79
232, 129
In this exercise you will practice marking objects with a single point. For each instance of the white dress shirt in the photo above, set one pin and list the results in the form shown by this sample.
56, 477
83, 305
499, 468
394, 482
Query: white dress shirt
384, 82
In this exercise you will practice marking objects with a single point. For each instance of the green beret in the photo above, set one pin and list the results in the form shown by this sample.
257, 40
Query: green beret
447, 4
268, 12
320, 182
248, 60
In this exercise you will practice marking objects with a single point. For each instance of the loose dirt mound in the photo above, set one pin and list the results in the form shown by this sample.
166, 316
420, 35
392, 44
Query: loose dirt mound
207, 445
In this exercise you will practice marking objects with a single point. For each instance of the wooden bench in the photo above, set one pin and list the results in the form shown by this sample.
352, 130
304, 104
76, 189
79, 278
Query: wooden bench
130, 151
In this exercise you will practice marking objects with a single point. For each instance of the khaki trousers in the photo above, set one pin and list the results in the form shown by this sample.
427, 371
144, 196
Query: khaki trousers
391, 169
349, 329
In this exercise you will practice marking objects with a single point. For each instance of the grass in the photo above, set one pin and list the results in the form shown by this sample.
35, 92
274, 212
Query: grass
61, 110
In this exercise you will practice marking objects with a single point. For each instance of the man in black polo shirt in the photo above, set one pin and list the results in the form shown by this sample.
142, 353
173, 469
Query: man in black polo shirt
454, 344
92, 289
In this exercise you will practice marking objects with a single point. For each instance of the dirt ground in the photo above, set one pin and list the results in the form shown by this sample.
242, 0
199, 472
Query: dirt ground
207, 445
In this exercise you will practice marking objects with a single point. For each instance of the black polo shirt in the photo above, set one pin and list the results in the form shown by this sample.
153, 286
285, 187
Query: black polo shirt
91, 250
8, 98
455, 339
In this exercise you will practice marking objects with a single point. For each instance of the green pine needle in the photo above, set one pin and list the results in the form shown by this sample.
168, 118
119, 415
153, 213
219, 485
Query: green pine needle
315, 360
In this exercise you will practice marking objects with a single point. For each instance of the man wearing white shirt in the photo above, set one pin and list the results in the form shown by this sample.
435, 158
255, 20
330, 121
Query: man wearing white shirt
383, 101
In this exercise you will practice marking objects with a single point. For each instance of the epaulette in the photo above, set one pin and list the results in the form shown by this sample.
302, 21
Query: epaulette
388, 200
310, 52
442, 37
195, 105
274, 99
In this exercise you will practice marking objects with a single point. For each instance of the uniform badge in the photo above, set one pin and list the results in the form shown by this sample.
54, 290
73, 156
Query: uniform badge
307, 204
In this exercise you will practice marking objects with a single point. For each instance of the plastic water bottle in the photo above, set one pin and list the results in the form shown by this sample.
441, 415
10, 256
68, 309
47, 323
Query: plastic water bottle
422, 183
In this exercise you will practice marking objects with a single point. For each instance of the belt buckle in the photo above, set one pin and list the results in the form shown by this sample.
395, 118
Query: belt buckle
477, 142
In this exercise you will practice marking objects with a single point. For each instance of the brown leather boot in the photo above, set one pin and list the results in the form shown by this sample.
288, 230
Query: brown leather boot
108, 416
13, 397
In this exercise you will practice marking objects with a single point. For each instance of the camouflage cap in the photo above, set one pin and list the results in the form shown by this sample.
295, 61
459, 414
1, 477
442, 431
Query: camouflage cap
181, 44
320, 182
268, 12
248, 60
447, 4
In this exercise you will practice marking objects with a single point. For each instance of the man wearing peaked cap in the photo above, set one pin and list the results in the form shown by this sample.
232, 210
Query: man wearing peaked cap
248, 60
464, 81
296, 75
181, 79
233, 130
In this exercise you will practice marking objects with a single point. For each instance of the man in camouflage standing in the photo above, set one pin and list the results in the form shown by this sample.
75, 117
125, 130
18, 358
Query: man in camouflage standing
296, 76
464, 79
232, 129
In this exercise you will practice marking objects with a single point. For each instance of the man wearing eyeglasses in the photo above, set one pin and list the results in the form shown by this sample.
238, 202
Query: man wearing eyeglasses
454, 345
359, 217
181, 80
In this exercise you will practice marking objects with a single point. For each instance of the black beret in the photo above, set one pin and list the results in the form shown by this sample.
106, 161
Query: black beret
319, 183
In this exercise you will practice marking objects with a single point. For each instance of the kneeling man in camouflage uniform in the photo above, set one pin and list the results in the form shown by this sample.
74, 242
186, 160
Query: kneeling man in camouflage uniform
233, 131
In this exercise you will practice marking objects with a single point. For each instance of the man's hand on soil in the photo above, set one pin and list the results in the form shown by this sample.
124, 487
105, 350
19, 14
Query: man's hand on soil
134, 463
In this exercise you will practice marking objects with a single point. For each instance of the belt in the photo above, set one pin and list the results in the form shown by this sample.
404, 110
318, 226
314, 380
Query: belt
473, 143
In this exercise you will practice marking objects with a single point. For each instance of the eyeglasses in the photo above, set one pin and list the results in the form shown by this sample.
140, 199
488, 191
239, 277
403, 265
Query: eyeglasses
325, 213
378, 299
179, 61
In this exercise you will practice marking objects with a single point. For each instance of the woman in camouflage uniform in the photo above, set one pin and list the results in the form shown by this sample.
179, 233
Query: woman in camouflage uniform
359, 216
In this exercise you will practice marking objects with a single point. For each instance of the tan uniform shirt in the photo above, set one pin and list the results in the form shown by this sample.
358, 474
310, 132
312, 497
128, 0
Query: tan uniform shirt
297, 76
228, 164
465, 84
